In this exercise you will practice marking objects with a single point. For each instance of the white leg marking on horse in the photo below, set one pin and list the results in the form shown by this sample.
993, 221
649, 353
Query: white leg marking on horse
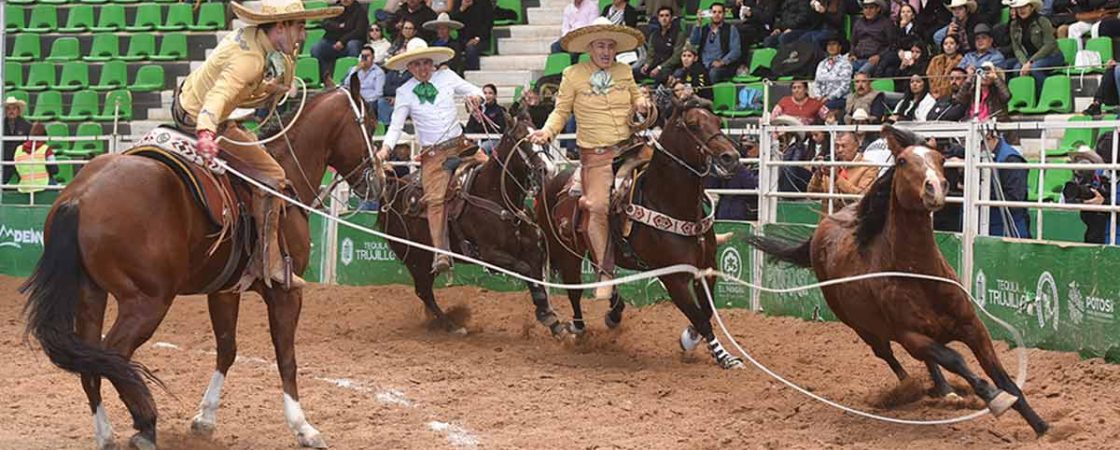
102, 430
689, 339
208, 409
308, 436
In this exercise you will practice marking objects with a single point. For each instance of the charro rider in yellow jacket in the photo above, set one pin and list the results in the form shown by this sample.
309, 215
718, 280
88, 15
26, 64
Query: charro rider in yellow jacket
251, 67
602, 94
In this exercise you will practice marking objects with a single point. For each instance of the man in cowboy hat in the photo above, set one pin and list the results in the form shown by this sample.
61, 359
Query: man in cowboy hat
1091, 187
442, 26
251, 68
963, 23
14, 125
429, 99
343, 35
602, 94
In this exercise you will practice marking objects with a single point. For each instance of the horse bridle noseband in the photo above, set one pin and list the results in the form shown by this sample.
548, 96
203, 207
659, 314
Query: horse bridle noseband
702, 144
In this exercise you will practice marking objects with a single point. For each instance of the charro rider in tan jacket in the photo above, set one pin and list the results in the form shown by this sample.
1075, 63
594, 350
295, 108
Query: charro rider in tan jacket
251, 67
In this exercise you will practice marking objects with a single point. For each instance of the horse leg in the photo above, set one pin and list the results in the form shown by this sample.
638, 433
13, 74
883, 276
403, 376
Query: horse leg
422, 280
926, 349
545, 315
680, 290
223, 317
981, 345
882, 350
283, 317
137, 320
569, 267
614, 316
91, 319
941, 387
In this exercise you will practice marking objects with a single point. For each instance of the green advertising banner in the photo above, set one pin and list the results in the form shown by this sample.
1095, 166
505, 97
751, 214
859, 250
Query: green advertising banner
21, 238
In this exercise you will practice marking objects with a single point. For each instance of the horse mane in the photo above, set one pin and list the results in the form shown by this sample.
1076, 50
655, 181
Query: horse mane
874, 207
273, 127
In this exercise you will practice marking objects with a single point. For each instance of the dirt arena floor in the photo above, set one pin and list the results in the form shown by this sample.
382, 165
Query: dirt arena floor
373, 376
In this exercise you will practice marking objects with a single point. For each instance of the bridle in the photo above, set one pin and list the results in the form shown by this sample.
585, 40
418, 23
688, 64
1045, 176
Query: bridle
702, 144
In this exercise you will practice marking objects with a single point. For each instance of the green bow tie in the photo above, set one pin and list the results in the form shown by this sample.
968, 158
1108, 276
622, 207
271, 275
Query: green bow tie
426, 92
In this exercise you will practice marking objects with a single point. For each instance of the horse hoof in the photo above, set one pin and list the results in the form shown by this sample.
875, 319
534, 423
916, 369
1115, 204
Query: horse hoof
139, 442
576, 330
312, 441
689, 339
202, 428
952, 396
1001, 403
460, 331
611, 322
733, 364
558, 330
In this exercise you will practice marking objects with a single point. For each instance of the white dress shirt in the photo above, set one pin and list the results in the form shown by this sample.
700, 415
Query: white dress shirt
433, 122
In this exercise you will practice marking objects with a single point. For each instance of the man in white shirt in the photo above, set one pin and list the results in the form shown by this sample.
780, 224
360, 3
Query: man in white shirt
429, 99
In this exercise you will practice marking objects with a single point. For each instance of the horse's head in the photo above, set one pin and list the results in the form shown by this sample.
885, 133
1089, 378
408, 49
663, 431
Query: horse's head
516, 153
353, 155
693, 137
919, 171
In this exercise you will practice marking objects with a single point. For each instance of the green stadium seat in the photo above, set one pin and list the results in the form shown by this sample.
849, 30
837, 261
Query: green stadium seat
166, 1
40, 76
307, 69
1022, 93
13, 75
1056, 97
114, 75
75, 75
342, 67
556, 63
82, 107
179, 17
1068, 47
172, 47
883, 85
21, 2
140, 46
94, 2
314, 4
517, 91
1103, 46
760, 58
58, 130
110, 18
90, 148
110, 110
515, 6
211, 16
65, 49
44, 19
1074, 138
54, 2
126, 1
313, 36
13, 18
147, 18
725, 100
48, 106
148, 79
105, 47
65, 171
1052, 184
27, 47
79, 19
584, 57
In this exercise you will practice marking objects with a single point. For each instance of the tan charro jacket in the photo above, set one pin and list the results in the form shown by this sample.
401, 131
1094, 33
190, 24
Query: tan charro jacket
233, 76
849, 180
601, 120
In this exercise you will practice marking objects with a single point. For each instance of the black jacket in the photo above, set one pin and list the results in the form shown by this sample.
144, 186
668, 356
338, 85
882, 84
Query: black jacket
495, 113
422, 14
629, 15
477, 21
349, 26
797, 15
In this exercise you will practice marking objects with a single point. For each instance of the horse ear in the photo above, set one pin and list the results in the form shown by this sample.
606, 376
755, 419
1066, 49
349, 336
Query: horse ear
898, 140
355, 89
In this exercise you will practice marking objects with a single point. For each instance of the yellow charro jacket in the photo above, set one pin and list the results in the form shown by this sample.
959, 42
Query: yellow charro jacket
601, 120
232, 77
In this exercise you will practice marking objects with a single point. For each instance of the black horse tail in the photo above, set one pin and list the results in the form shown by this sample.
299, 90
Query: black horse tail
55, 290
786, 249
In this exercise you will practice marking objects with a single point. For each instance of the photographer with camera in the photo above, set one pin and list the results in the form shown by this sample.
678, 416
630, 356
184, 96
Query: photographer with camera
1091, 187
849, 180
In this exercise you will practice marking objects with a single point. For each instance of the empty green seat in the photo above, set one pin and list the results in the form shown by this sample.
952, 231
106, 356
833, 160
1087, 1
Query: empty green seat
1068, 46
307, 69
179, 17
58, 130
342, 66
512, 5
1052, 183
118, 105
48, 106
556, 63
88, 148
760, 58
65, 49
1074, 138
172, 47
94, 2
13, 75
313, 37
13, 18
110, 18
314, 4
1022, 93
725, 100
27, 47
147, 18
883, 85
40, 76
1101, 45
211, 16
21, 2
148, 78
82, 107
140, 46
114, 75
75, 75
43, 19
126, 1
1056, 97
79, 19
105, 47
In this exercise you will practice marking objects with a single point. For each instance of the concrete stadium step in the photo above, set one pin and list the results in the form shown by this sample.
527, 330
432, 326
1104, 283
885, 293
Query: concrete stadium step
514, 62
529, 46
549, 32
558, 4
545, 16
501, 78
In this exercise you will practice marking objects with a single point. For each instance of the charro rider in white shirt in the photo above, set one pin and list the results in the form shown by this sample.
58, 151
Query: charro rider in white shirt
429, 99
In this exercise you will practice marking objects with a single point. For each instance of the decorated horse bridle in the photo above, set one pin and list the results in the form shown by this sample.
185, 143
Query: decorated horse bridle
702, 144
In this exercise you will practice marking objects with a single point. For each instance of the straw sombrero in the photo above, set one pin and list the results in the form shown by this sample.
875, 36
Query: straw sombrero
625, 38
271, 11
416, 50
442, 19
17, 102
1037, 4
970, 4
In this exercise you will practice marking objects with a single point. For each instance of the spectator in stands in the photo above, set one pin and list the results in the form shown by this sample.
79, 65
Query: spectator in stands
14, 125
989, 11
796, 20
477, 18
371, 77
441, 6
531, 103
793, 147
408, 32
833, 14
994, 95
653, 6
834, 73
905, 17
621, 13
984, 52
417, 12
941, 65
343, 37
1109, 91
495, 119
909, 59
393, 80
872, 34
931, 18
865, 98
35, 154
963, 22
1032, 40
380, 45
756, 18
663, 47
692, 72
738, 207
1087, 16
876, 150
917, 103
443, 26
578, 14
718, 45
800, 105
947, 109
849, 180
1092, 187
1014, 189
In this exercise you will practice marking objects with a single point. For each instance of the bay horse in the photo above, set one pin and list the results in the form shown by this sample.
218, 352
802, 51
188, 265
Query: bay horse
691, 146
128, 226
891, 229
486, 221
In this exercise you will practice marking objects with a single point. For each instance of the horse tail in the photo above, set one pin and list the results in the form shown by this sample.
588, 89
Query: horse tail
55, 290
786, 249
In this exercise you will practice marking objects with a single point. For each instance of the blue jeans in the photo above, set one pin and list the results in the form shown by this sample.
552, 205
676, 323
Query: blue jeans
473, 56
384, 110
813, 36
326, 54
1038, 68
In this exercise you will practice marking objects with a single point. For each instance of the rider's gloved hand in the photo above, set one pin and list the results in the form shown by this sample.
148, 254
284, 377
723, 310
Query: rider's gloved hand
207, 147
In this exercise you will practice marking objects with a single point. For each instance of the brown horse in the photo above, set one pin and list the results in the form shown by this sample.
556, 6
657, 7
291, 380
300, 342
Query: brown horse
691, 146
127, 226
487, 221
891, 229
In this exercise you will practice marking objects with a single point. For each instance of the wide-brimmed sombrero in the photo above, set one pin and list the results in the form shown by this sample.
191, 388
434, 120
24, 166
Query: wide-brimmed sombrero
624, 37
969, 4
17, 102
417, 50
271, 11
442, 19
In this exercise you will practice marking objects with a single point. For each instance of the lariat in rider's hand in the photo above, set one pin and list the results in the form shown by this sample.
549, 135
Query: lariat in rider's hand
383, 154
207, 146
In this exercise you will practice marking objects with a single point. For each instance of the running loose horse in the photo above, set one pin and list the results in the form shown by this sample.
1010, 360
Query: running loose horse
128, 226
891, 229
486, 221
671, 191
